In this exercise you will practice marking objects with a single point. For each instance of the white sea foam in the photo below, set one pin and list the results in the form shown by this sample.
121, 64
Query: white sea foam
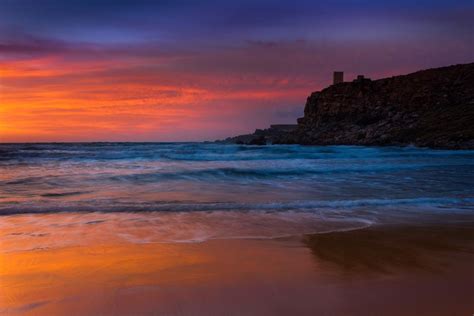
46, 231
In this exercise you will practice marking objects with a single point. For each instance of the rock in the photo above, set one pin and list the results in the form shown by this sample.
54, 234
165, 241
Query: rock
426, 108
276, 134
429, 108
258, 141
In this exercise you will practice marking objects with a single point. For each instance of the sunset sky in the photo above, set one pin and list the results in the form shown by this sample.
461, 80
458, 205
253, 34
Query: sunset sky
87, 70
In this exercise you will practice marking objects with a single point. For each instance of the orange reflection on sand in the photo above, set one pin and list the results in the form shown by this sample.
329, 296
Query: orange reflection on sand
103, 275
88, 279
52, 275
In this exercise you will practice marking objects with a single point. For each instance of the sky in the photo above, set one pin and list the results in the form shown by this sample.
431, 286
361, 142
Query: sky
84, 70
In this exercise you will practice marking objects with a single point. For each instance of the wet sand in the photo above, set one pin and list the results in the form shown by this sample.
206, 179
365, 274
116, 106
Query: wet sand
381, 270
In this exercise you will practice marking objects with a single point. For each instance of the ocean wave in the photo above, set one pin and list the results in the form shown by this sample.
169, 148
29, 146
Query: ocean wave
141, 173
108, 206
63, 194
183, 227
148, 177
38, 153
288, 172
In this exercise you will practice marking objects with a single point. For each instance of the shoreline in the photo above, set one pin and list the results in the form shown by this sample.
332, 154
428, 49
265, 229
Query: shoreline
427, 268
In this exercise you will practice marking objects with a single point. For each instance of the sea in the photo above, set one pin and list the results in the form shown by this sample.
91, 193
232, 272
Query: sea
193, 192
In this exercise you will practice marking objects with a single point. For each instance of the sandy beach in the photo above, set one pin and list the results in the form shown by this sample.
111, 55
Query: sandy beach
381, 270
208, 229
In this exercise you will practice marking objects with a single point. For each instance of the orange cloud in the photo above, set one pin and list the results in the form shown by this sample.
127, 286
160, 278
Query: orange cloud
52, 98
58, 91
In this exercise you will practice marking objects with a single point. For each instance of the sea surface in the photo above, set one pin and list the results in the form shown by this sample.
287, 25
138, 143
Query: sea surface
191, 192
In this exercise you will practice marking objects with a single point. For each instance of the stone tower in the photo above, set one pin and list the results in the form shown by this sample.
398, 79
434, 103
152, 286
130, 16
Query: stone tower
338, 77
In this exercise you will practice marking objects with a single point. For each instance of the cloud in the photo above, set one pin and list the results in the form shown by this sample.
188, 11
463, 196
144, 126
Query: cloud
178, 70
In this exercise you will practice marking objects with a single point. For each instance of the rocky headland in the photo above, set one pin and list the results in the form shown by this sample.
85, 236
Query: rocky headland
429, 108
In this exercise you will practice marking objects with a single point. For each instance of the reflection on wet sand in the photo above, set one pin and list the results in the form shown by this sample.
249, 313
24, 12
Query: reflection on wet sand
142, 278
383, 249
430, 274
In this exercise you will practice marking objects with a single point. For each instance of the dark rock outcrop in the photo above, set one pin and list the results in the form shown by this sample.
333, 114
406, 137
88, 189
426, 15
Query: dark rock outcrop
430, 108
276, 134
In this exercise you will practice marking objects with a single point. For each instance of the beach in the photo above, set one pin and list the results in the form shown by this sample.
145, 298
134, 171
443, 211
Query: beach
389, 270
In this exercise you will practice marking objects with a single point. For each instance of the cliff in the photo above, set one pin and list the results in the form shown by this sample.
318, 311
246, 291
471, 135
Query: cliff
430, 108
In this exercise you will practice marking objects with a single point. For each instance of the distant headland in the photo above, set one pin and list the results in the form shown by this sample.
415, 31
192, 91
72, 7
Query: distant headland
429, 108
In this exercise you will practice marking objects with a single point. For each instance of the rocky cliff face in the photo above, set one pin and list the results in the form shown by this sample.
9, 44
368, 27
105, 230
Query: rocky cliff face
430, 108
433, 108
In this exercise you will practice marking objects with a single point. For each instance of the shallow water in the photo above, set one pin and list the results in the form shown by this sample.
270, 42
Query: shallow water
176, 192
